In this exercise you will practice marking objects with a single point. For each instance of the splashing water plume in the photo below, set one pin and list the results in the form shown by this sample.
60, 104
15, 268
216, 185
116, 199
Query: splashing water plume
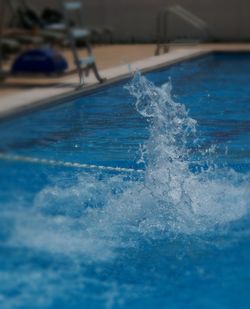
97, 216
103, 213
185, 202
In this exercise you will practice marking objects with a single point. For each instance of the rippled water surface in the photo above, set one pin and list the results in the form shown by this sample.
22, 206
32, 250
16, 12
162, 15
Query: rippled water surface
171, 233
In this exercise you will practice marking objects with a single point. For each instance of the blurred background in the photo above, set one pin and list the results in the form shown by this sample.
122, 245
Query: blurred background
98, 34
135, 20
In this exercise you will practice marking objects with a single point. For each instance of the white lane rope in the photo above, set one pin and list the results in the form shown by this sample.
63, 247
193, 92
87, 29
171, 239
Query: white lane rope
10, 157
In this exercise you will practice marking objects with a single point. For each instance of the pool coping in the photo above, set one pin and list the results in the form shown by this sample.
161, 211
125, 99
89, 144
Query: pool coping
22, 102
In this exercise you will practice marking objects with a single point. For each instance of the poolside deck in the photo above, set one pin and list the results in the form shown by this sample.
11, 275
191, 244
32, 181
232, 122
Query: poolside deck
113, 61
107, 56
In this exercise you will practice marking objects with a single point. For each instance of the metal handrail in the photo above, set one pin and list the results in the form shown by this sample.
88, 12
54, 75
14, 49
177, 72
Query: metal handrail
162, 25
68, 6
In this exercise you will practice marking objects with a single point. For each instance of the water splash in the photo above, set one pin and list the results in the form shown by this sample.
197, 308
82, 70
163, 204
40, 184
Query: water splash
101, 214
186, 202
95, 218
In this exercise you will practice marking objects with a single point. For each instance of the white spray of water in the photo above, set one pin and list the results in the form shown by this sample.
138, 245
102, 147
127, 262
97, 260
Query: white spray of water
97, 215
187, 202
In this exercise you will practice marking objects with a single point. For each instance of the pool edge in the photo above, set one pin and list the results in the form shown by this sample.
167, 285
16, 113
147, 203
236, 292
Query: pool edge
37, 98
12, 106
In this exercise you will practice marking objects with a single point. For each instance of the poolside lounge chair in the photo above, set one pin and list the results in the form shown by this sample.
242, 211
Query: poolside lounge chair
75, 35
26, 18
7, 45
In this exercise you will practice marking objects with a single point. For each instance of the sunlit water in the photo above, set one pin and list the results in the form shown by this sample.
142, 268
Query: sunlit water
174, 236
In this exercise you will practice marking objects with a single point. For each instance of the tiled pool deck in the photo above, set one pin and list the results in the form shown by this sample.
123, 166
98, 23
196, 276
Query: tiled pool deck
115, 63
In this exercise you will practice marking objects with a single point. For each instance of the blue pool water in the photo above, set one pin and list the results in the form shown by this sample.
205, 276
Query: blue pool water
172, 233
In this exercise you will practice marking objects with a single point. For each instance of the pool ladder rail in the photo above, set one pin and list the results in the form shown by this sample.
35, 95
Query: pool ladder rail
162, 27
86, 64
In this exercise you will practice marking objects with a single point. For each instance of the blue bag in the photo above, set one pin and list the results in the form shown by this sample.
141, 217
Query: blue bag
41, 60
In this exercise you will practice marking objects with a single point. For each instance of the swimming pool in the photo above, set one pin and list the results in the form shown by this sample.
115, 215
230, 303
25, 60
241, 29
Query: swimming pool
165, 226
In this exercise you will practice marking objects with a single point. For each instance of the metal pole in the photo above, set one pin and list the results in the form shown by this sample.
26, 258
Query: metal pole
166, 33
2, 13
